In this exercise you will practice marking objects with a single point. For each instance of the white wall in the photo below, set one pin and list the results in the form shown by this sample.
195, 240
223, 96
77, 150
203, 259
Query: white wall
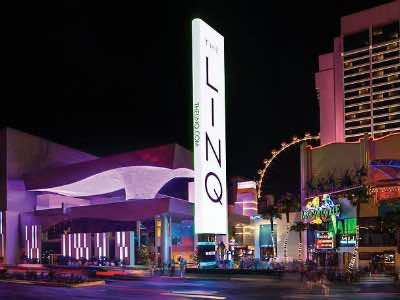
293, 237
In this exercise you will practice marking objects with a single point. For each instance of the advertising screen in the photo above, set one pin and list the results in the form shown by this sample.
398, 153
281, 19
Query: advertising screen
209, 130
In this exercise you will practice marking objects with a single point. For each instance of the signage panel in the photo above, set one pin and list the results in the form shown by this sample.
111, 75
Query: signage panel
211, 215
324, 240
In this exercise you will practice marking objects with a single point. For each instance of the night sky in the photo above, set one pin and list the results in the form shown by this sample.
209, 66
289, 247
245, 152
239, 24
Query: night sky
113, 76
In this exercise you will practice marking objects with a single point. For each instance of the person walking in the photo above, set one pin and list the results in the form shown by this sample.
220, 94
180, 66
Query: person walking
182, 266
172, 269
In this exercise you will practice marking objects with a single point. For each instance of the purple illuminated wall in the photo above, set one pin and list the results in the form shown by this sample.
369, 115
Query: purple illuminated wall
21, 154
3, 170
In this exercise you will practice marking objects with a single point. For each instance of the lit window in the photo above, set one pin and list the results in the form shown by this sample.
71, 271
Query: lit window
392, 46
377, 31
348, 64
380, 127
378, 57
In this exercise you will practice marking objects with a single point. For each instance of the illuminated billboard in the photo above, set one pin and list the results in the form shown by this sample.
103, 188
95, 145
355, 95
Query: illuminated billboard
324, 240
211, 215
319, 210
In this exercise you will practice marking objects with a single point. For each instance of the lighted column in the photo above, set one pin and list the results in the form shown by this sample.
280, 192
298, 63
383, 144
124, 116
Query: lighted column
32, 241
132, 259
101, 241
125, 246
257, 253
138, 226
165, 239
1, 235
76, 245
157, 240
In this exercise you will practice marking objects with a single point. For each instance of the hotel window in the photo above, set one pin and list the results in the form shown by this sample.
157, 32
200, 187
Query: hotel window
379, 127
393, 109
348, 64
356, 77
386, 63
378, 73
378, 57
394, 117
357, 130
387, 103
358, 100
393, 77
393, 93
356, 41
385, 33
363, 91
392, 46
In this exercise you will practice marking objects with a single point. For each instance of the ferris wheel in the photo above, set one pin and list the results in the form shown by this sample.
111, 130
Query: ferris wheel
275, 153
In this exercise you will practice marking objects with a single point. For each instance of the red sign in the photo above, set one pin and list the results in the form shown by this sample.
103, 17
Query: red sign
324, 240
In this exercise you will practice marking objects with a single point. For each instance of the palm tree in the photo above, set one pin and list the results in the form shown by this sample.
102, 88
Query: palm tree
358, 196
331, 181
299, 227
391, 222
311, 186
347, 180
271, 212
288, 203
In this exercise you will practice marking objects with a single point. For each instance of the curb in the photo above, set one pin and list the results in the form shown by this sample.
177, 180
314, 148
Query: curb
56, 284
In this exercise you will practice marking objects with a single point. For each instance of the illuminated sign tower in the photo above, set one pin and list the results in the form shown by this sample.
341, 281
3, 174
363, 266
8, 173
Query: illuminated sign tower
211, 215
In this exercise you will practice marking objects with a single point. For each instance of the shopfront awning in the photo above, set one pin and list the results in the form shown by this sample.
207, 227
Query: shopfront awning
125, 211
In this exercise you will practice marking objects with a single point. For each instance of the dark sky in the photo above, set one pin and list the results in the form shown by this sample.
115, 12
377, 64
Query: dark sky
114, 76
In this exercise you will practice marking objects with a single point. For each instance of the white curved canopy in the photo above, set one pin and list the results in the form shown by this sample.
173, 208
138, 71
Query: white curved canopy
139, 182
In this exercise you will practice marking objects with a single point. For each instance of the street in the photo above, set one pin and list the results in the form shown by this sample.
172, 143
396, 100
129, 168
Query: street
240, 287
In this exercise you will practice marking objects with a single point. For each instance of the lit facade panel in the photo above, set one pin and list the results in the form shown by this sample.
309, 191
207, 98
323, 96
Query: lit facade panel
32, 242
76, 245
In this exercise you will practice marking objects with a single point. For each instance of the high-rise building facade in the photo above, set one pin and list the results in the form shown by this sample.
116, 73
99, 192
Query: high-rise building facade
358, 84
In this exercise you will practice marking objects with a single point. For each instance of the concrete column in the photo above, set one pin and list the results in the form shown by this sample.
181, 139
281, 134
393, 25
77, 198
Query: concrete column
165, 239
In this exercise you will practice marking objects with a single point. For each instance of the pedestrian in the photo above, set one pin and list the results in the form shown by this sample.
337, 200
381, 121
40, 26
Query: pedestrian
182, 266
324, 284
172, 269
302, 271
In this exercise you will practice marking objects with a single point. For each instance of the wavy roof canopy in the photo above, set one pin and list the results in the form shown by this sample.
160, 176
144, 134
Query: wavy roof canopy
140, 173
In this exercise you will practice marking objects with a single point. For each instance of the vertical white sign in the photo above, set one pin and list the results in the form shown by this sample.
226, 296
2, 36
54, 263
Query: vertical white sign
211, 209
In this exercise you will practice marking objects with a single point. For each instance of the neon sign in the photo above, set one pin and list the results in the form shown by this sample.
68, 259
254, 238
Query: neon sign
324, 240
318, 211
348, 240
